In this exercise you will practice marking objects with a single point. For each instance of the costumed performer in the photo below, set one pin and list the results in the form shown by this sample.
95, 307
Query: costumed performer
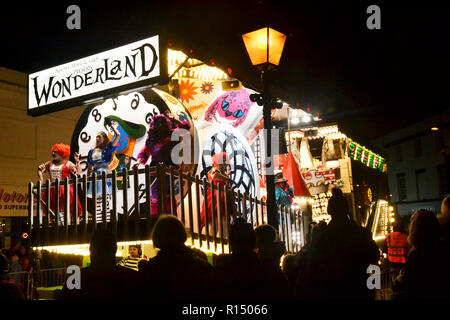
99, 158
60, 168
158, 146
218, 175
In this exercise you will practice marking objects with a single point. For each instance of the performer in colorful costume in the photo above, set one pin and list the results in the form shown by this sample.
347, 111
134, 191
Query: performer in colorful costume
129, 133
218, 174
60, 168
282, 197
100, 157
159, 146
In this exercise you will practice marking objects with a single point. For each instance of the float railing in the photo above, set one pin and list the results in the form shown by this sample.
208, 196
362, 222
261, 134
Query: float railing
62, 223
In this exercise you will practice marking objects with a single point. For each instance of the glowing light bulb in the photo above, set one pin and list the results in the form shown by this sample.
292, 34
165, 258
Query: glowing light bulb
306, 119
262, 41
295, 120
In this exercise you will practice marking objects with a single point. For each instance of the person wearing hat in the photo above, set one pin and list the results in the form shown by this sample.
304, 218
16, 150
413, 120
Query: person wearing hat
281, 196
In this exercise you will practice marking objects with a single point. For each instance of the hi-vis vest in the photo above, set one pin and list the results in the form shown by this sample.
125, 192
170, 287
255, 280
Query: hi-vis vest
397, 243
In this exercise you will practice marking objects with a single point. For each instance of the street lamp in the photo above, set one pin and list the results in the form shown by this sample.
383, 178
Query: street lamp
265, 46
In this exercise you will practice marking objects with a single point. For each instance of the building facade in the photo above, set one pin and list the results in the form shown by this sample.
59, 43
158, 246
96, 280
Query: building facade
25, 142
419, 162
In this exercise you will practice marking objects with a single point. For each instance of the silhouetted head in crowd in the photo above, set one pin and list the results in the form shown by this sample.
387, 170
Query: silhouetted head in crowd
317, 228
103, 248
141, 263
424, 230
168, 233
337, 205
200, 254
15, 245
397, 226
265, 236
242, 236
8, 291
289, 262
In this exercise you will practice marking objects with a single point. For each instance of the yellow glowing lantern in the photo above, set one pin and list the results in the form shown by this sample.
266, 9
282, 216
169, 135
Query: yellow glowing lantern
264, 46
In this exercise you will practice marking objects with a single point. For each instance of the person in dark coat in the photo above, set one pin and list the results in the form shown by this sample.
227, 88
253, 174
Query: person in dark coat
270, 250
175, 272
241, 275
103, 279
339, 257
302, 257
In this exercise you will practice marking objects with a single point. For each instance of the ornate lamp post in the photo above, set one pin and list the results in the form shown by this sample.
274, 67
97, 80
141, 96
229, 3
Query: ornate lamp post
265, 46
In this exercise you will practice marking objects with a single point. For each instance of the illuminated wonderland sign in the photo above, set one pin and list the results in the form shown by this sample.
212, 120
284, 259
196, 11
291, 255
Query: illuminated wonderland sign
133, 66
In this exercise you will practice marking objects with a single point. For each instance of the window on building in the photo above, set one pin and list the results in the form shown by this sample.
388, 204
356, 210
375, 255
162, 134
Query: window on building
401, 185
399, 153
421, 183
443, 180
439, 139
418, 148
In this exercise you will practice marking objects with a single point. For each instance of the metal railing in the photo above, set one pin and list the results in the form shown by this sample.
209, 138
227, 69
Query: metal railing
46, 278
134, 219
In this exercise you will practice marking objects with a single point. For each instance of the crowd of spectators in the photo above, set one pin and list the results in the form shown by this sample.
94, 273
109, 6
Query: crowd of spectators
332, 264
14, 271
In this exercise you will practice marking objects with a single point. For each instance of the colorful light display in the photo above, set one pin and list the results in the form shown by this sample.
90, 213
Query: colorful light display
381, 226
367, 157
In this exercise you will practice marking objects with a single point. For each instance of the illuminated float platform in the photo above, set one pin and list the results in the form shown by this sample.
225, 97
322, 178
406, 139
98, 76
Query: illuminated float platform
153, 79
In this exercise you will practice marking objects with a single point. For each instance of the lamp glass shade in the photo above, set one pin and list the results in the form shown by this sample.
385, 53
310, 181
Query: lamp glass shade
256, 43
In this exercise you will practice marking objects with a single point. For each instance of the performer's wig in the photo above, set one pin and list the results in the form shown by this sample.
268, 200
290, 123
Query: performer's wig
105, 138
160, 128
220, 158
62, 149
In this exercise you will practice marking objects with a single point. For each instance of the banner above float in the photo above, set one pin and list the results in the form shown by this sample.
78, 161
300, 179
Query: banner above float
135, 66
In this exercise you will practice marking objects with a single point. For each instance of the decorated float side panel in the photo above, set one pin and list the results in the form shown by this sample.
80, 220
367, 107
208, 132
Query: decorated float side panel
221, 121
226, 121
131, 115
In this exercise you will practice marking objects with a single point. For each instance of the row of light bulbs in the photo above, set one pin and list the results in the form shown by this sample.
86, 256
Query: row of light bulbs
202, 71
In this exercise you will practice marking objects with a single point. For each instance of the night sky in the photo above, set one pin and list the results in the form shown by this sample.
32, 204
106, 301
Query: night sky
369, 81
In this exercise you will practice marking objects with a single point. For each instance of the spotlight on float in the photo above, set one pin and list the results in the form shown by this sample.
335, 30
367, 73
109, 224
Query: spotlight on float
295, 120
255, 97
277, 104
306, 119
